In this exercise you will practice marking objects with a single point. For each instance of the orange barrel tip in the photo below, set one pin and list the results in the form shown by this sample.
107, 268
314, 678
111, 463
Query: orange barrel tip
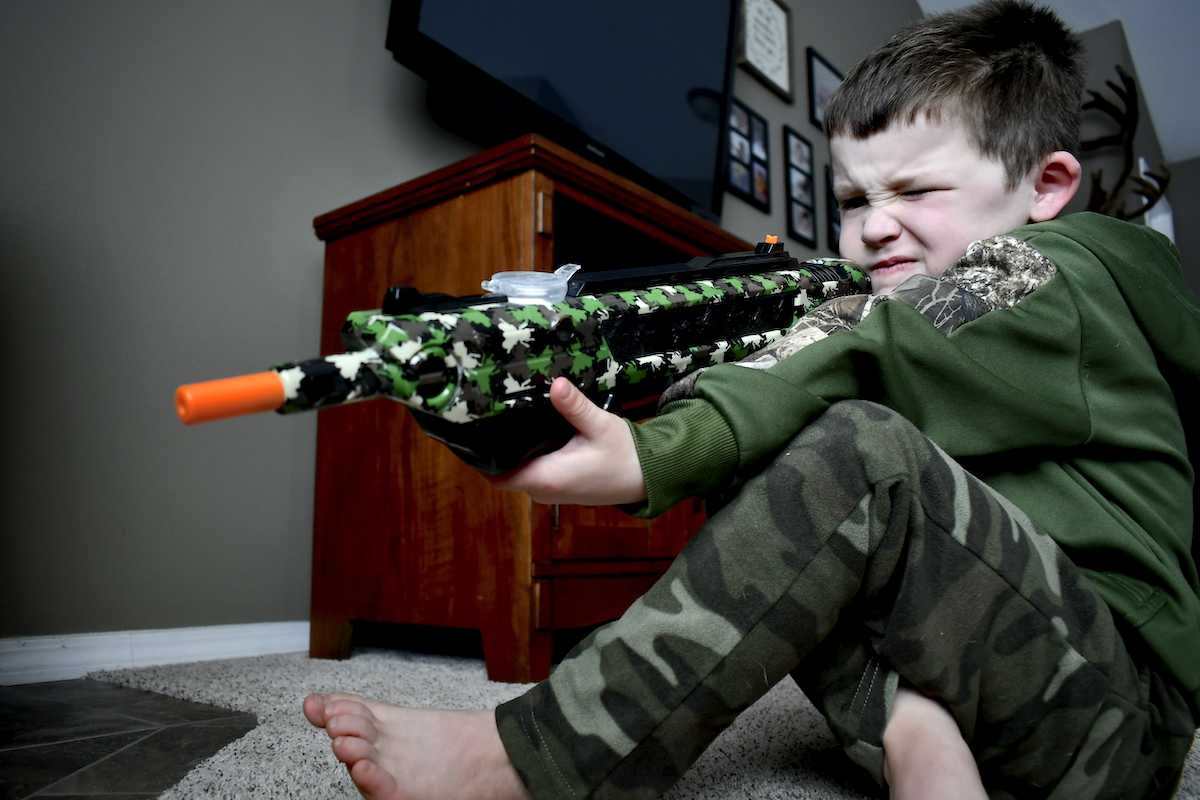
229, 397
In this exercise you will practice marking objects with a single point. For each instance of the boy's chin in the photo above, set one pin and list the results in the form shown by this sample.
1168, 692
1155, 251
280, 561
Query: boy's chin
886, 280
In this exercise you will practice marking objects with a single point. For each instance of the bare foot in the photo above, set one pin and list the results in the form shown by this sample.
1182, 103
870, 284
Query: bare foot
924, 752
410, 753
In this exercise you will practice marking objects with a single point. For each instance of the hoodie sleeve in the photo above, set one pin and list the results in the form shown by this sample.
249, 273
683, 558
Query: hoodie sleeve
974, 392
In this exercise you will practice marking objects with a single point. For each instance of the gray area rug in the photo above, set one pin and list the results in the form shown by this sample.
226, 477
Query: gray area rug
779, 748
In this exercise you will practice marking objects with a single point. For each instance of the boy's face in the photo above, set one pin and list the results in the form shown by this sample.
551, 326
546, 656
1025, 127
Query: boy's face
914, 196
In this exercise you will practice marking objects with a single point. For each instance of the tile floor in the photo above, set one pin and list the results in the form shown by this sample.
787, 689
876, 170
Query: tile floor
84, 738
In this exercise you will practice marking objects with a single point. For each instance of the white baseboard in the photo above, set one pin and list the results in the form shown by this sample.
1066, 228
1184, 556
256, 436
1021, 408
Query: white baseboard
39, 659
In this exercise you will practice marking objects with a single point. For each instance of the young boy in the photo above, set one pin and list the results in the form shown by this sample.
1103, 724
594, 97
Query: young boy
960, 515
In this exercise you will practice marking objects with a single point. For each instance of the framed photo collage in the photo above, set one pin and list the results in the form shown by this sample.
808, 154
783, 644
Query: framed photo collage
765, 51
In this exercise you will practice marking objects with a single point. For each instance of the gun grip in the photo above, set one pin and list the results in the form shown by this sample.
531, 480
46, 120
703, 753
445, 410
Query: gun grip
498, 444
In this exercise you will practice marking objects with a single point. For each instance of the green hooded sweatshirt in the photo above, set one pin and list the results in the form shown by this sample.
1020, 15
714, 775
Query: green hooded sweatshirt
1068, 404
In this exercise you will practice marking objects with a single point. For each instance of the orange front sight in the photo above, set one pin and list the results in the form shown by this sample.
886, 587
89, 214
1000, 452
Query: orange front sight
229, 397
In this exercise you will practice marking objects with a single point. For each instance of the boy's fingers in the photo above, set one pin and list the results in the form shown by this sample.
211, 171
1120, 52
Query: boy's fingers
597, 467
574, 405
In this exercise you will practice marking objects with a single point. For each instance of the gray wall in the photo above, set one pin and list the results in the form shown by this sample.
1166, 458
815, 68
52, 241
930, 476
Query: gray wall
1107, 48
1184, 195
162, 163
842, 33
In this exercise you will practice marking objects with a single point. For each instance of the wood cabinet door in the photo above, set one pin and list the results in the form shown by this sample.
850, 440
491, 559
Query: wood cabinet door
604, 532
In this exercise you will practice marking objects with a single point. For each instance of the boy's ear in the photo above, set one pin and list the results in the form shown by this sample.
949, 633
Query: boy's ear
1055, 185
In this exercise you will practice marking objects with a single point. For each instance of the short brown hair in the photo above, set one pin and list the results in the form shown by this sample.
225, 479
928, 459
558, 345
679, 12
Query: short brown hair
1009, 70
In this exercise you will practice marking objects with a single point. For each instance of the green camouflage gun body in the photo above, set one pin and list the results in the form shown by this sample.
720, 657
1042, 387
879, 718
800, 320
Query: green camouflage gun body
476, 371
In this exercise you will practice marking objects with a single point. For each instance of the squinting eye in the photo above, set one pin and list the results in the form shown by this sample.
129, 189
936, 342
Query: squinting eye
851, 203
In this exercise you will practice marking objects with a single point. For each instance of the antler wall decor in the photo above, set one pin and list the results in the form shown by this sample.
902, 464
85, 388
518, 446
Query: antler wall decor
1126, 116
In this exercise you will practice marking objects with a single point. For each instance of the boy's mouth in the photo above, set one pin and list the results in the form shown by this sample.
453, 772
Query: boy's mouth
889, 263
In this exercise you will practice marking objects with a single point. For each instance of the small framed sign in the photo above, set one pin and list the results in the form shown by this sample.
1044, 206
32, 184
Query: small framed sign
822, 80
765, 47
748, 172
801, 202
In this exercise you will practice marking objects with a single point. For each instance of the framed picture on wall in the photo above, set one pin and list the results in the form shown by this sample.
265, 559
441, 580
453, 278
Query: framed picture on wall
765, 44
823, 78
748, 173
801, 197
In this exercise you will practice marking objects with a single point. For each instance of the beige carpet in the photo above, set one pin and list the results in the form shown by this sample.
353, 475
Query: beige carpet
779, 748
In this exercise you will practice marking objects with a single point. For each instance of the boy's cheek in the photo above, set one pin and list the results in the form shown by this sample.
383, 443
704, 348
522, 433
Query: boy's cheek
851, 245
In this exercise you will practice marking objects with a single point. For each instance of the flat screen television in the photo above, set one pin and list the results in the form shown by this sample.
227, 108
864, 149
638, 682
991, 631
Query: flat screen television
638, 86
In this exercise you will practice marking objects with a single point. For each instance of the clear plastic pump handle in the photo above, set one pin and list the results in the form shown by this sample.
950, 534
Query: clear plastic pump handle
532, 288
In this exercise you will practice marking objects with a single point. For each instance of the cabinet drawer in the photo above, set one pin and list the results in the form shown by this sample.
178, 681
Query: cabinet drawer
579, 601
604, 532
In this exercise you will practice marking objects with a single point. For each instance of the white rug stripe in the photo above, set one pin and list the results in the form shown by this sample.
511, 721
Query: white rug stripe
40, 659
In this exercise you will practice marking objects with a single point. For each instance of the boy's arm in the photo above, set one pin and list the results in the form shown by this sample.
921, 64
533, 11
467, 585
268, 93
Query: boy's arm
903, 357
990, 397
598, 466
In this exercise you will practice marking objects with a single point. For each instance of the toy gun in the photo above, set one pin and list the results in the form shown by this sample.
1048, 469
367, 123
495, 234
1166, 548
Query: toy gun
476, 371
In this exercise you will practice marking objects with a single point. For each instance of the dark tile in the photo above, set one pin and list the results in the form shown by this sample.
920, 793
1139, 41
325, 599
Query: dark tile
25, 770
83, 737
154, 763
240, 720
52, 712
145, 706
29, 716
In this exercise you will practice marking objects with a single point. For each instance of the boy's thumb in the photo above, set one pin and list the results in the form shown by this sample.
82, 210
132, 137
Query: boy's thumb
573, 404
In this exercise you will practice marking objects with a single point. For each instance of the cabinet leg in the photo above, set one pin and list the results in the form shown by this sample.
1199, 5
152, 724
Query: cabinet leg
516, 659
329, 636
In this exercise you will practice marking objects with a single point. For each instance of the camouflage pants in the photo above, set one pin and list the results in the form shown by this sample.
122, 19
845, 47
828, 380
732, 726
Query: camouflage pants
861, 556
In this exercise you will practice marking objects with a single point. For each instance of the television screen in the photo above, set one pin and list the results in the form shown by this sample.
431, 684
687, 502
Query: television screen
636, 86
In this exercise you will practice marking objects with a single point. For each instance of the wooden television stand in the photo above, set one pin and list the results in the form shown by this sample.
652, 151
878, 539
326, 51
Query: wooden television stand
403, 531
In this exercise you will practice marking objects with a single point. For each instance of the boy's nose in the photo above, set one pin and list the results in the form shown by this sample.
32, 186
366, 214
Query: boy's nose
879, 227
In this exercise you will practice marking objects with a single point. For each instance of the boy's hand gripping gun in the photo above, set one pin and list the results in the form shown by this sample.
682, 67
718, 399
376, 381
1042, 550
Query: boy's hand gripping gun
476, 371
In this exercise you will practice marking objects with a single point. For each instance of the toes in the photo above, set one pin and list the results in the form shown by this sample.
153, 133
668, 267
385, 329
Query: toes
352, 749
314, 709
342, 715
353, 724
346, 705
332, 696
362, 759
372, 780
386, 712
